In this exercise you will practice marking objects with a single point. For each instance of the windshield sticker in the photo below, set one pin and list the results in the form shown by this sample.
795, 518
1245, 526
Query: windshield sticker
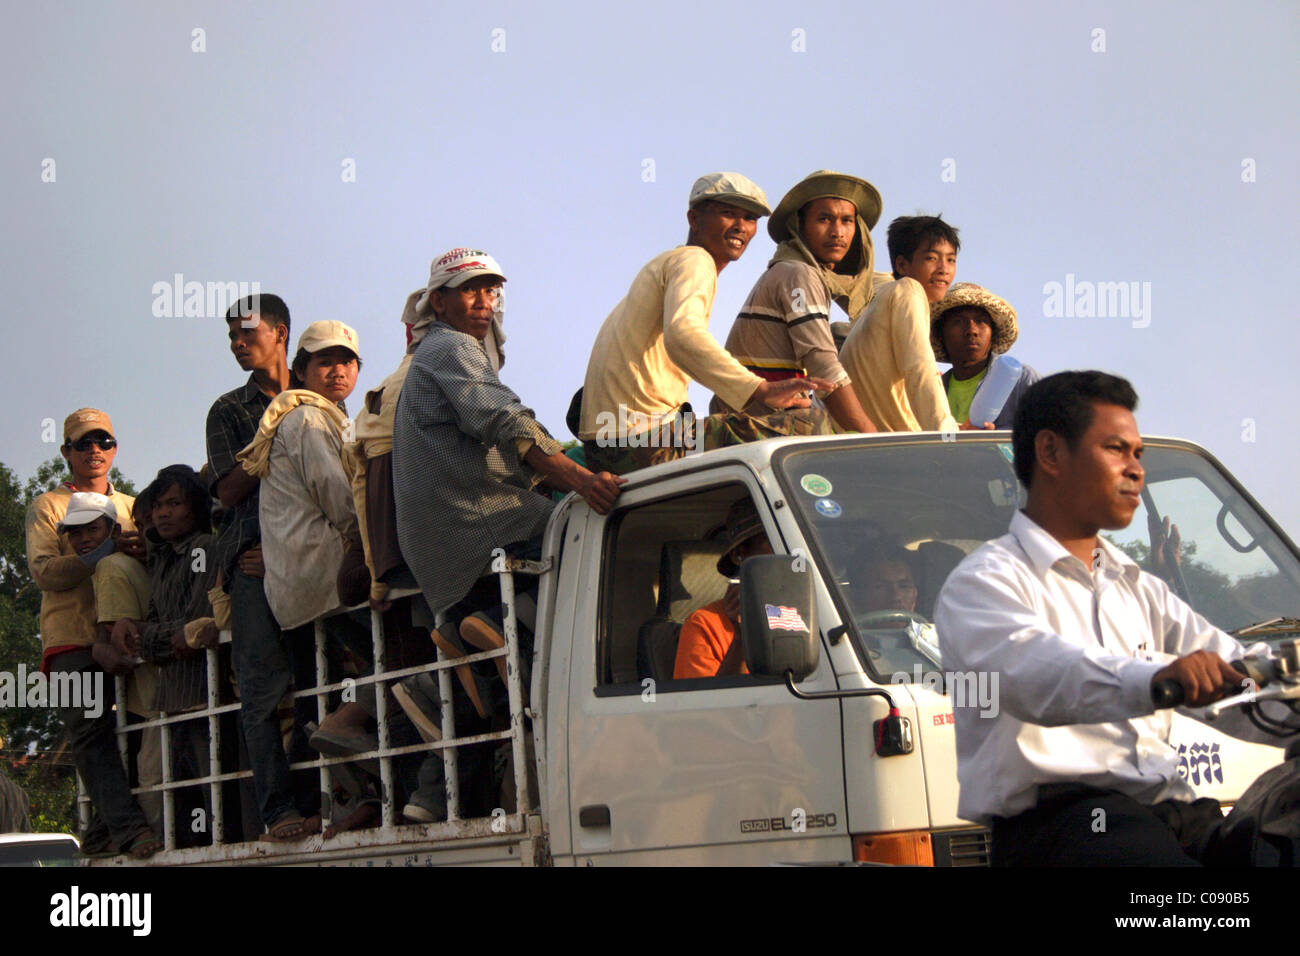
1007, 452
815, 485
828, 508
782, 618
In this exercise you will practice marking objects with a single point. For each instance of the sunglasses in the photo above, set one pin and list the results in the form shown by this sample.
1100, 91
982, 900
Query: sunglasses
83, 444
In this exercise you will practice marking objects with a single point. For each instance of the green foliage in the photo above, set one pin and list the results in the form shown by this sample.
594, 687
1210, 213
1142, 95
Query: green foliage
31, 754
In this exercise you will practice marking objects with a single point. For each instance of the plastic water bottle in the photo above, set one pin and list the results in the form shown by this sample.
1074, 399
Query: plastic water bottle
1001, 378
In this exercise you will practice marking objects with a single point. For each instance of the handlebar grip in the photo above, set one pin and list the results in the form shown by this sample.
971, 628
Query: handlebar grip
1166, 693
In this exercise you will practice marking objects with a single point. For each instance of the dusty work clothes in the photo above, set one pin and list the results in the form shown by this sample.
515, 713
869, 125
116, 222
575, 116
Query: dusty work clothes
67, 595
305, 513
232, 423
180, 595
122, 588
653, 344
783, 329
461, 485
1074, 651
891, 362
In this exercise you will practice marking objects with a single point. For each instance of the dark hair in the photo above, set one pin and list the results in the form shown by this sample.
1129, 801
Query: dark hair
884, 552
1062, 403
298, 367
200, 500
910, 233
270, 308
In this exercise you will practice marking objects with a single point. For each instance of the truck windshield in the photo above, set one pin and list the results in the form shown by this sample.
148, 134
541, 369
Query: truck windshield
888, 522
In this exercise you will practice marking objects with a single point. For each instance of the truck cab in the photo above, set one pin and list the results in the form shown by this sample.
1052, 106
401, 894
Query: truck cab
638, 768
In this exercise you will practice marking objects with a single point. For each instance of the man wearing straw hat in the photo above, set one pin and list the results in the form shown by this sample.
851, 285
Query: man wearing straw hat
968, 327
823, 254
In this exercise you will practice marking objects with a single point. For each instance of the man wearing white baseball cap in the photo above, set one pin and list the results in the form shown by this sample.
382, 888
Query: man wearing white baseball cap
656, 340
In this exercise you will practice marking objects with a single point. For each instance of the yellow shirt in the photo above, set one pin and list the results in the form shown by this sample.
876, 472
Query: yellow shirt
891, 363
654, 343
67, 595
122, 589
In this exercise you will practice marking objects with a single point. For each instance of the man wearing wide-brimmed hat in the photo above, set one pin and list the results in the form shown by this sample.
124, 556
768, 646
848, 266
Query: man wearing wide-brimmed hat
823, 254
656, 340
707, 645
887, 352
968, 327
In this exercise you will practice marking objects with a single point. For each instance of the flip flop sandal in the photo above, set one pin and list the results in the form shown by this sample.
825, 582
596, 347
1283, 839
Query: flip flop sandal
450, 644
291, 829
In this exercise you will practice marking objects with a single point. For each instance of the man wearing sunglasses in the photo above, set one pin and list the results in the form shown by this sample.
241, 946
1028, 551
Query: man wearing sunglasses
68, 610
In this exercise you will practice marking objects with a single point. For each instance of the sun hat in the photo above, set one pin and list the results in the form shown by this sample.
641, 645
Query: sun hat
730, 188
820, 184
328, 334
742, 524
963, 294
455, 267
86, 506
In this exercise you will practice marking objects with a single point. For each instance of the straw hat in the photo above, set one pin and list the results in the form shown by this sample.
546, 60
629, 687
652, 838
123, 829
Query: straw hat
964, 294
818, 185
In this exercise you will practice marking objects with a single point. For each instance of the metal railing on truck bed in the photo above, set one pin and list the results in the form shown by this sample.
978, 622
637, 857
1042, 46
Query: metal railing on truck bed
518, 835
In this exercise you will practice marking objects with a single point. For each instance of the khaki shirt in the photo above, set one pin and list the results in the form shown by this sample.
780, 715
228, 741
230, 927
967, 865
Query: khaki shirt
891, 362
67, 595
654, 343
305, 512
122, 588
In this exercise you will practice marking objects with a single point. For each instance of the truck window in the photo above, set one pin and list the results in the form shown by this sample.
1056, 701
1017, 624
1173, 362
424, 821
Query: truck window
661, 567
938, 501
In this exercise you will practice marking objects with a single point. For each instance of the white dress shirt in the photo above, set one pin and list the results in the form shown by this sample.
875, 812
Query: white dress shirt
1075, 650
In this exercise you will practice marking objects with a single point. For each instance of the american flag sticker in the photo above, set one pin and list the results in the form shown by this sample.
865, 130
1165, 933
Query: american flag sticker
781, 618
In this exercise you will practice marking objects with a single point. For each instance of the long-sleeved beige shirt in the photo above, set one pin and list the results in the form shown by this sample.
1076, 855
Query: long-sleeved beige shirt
305, 511
654, 343
67, 594
890, 360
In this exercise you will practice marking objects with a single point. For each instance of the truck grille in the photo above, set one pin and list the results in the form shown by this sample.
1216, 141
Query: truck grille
968, 847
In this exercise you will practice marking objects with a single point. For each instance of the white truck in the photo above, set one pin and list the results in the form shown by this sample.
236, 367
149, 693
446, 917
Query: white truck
617, 763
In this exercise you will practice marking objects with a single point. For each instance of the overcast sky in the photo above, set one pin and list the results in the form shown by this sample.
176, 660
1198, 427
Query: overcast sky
329, 150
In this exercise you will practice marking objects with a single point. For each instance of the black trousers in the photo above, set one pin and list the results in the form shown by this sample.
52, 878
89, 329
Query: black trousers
1076, 825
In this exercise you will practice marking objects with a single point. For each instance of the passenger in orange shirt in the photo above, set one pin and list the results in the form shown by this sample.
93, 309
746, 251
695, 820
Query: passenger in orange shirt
707, 646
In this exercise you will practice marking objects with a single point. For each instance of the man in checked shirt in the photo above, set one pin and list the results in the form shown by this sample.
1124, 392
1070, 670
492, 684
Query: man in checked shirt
467, 454
258, 328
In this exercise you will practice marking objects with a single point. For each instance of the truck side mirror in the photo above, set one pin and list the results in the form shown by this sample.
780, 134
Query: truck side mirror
777, 622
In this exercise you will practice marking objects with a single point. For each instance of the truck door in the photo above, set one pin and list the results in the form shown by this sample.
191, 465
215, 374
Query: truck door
720, 770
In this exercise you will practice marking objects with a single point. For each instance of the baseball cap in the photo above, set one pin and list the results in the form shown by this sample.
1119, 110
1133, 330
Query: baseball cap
327, 334
84, 507
83, 421
455, 267
730, 188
